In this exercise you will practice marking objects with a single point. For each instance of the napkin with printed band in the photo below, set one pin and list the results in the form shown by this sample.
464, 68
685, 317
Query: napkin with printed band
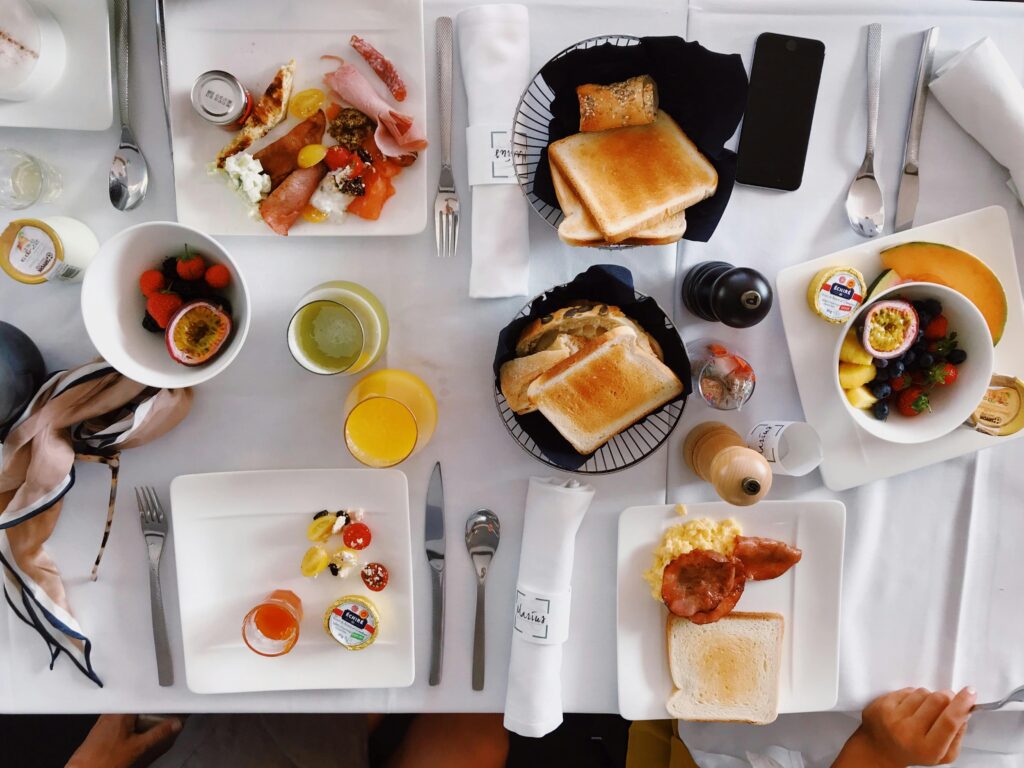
91, 411
554, 511
980, 90
494, 49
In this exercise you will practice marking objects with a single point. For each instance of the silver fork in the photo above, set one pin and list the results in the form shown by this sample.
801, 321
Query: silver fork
446, 204
154, 529
1014, 696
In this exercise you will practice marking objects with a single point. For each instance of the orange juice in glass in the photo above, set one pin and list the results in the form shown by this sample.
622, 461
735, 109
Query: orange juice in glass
272, 627
389, 415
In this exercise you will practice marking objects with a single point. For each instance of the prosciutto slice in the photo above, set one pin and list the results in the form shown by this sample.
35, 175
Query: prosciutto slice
284, 205
396, 133
282, 157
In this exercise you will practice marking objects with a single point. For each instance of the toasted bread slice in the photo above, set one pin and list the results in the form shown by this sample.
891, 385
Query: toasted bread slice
726, 671
578, 227
603, 389
517, 375
585, 319
635, 177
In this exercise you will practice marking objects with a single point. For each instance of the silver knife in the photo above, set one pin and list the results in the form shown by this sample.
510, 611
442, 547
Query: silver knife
434, 536
906, 200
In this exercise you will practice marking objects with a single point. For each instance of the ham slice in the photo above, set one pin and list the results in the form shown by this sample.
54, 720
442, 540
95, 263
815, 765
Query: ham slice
284, 205
282, 156
396, 134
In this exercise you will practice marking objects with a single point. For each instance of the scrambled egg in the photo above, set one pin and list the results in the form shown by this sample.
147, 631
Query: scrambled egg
717, 536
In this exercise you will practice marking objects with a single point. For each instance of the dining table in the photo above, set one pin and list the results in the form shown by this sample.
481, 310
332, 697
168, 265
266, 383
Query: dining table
931, 578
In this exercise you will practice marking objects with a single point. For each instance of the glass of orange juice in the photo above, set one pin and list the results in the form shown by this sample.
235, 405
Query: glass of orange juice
272, 627
389, 415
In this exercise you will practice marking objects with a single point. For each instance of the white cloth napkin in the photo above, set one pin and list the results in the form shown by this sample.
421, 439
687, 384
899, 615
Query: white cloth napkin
554, 511
980, 90
494, 48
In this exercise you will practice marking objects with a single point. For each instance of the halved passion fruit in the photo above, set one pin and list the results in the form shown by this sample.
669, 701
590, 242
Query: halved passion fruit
890, 328
197, 332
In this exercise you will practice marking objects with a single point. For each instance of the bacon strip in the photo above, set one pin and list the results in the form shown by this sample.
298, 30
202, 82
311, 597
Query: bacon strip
765, 558
396, 133
284, 205
282, 156
379, 63
724, 607
699, 581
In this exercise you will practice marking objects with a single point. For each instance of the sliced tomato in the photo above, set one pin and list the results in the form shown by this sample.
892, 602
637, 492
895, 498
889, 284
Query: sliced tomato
332, 110
369, 205
337, 157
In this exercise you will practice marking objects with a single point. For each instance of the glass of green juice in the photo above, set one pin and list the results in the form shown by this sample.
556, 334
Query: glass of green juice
338, 327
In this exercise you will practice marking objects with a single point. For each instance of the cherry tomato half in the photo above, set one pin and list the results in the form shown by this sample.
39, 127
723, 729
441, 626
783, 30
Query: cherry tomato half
356, 535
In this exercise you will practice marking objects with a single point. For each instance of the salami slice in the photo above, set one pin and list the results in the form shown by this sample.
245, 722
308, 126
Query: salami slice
379, 63
699, 581
765, 558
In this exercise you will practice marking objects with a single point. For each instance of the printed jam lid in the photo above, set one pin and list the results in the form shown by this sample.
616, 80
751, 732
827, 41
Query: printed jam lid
835, 293
219, 97
352, 621
30, 251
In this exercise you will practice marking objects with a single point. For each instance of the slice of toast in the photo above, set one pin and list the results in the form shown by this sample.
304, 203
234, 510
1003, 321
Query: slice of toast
634, 177
726, 671
516, 375
603, 389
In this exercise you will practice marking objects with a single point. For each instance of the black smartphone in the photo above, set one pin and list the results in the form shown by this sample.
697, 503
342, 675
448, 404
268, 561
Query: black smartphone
780, 108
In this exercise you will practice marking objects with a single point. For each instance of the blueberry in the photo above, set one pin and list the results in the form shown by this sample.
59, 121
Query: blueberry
881, 363
170, 267
927, 360
933, 307
896, 368
957, 356
880, 389
909, 357
923, 319
150, 324
881, 374
920, 348
920, 334
918, 305
880, 410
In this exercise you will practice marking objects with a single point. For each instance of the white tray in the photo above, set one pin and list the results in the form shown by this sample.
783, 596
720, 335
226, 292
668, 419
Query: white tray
81, 100
214, 34
852, 457
808, 597
240, 535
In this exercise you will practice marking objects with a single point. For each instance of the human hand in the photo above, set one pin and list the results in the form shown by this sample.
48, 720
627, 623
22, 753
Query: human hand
914, 726
113, 743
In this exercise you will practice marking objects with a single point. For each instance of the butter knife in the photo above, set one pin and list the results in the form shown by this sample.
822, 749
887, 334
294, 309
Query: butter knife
906, 199
434, 537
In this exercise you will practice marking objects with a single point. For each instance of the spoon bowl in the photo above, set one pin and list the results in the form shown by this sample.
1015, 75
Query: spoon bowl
865, 207
129, 173
483, 530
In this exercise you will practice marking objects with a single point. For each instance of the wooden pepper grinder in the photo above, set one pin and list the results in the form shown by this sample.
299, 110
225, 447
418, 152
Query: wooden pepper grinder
716, 453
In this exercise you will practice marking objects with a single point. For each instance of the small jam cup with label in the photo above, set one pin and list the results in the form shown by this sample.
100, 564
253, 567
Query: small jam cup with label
272, 627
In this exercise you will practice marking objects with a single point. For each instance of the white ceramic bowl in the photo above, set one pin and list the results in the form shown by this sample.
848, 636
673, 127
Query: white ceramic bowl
950, 405
113, 306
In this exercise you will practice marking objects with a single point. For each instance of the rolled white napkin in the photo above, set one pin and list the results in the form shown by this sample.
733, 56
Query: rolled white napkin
554, 511
982, 93
494, 49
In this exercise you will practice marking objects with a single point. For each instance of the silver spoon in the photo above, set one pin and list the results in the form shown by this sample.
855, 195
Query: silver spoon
1014, 696
129, 175
482, 533
864, 204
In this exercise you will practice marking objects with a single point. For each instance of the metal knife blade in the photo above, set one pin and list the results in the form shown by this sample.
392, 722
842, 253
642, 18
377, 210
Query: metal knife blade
433, 534
906, 200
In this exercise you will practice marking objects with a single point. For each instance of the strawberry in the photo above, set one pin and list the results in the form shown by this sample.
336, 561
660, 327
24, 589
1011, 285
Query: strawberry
161, 306
912, 402
191, 266
900, 383
217, 276
942, 373
152, 281
937, 328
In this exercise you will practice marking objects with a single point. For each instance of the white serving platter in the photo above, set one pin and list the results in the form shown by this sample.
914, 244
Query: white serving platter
240, 535
82, 99
213, 34
808, 597
851, 456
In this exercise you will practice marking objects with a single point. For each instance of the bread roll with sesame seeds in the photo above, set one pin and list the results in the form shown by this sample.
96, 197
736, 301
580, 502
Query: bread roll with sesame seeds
631, 102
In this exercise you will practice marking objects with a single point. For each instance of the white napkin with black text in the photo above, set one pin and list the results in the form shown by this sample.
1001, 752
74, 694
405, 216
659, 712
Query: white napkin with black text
554, 511
494, 49
980, 90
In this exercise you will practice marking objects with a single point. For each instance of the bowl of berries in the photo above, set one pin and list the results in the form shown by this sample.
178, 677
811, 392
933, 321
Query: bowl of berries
165, 305
914, 362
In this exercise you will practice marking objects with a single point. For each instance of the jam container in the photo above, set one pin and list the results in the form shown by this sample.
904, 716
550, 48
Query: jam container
353, 622
34, 251
220, 98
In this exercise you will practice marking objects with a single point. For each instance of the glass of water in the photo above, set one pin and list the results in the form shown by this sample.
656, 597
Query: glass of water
25, 180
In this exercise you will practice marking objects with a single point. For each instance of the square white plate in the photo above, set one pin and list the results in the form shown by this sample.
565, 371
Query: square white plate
82, 99
240, 535
807, 596
851, 456
214, 34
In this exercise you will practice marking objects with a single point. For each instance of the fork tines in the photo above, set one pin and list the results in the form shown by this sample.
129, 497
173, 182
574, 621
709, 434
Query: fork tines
151, 512
446, 223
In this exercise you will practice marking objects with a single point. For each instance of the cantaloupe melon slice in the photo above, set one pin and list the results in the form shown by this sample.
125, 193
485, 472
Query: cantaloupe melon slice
956, 269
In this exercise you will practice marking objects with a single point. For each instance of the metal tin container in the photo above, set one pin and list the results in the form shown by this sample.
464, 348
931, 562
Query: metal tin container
220, 98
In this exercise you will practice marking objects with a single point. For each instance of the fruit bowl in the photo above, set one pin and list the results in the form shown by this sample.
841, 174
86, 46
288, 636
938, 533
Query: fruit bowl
113, 305
950, 405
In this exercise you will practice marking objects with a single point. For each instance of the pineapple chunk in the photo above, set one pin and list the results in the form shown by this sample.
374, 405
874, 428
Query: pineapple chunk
852, 375
861, 397
853, 351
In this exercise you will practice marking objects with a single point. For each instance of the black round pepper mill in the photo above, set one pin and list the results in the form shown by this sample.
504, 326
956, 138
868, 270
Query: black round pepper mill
739, 297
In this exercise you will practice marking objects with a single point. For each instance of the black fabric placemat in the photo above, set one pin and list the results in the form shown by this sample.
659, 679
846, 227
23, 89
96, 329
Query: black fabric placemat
705, 92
